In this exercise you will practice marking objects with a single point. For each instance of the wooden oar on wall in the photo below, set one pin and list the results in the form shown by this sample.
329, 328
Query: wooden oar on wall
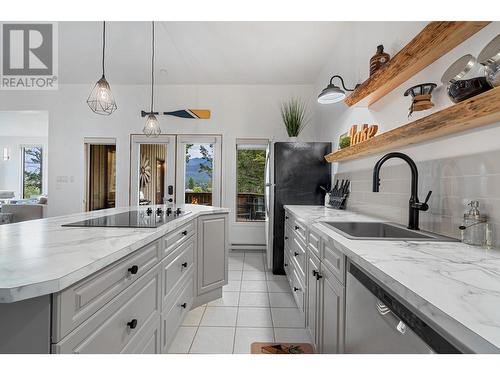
202, 114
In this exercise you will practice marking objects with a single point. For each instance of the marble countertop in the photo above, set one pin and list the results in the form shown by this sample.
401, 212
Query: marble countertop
40, 257
454, 287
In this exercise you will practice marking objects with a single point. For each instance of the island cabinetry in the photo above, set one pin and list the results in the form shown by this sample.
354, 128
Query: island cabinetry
74, 305
178, 236
212, 253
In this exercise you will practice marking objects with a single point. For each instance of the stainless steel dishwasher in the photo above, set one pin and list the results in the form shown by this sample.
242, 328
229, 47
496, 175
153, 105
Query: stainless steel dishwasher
378, 323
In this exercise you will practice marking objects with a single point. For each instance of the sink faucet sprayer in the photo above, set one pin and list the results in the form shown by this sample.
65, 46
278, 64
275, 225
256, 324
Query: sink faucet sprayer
414, 204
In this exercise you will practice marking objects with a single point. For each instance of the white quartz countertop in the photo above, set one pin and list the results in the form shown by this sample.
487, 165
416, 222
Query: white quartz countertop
40, 257
454, 287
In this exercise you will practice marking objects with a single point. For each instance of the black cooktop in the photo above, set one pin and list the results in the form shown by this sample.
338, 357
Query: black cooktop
147, 218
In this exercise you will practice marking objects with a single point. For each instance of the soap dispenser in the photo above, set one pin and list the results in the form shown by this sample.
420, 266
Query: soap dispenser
475, 229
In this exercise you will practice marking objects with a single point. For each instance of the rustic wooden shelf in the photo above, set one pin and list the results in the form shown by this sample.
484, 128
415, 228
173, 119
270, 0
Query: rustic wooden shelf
435, 40
483, 109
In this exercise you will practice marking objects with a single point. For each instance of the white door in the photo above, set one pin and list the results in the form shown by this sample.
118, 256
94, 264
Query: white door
199, 169
152, 169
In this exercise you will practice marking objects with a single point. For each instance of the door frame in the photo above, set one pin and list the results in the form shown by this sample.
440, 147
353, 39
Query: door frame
87, 142
170, 141
216, 140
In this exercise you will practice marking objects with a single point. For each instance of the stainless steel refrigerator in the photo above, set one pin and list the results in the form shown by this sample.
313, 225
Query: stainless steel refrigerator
294, 173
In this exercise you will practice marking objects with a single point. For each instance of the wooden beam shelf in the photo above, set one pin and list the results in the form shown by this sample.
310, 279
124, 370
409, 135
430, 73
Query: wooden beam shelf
481, 110
435, 40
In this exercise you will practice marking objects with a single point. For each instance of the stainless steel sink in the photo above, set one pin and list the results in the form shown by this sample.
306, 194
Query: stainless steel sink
383, 231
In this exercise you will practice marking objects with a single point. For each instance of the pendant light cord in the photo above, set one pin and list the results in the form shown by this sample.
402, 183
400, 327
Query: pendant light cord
152, 65
103, 44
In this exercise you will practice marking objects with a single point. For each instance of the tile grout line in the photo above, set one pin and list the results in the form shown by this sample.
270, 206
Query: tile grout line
197, 329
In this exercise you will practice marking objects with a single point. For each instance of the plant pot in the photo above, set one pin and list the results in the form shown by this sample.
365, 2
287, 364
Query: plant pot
293, 139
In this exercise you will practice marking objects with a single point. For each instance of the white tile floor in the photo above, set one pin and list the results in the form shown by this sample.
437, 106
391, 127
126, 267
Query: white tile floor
255, 306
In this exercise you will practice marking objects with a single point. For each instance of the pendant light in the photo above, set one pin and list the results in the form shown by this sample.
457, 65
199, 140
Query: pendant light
332, 93
101, 100
152, 126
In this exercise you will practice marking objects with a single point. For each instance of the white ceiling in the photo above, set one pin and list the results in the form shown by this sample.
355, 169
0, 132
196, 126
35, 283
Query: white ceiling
199, 52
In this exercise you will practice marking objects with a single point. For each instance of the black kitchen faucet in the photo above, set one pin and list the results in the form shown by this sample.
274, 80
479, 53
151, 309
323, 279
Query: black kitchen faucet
414, 204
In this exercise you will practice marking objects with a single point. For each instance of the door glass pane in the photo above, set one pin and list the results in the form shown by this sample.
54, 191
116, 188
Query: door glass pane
32, 172
102, 177
198, 173
152, 172
251, 161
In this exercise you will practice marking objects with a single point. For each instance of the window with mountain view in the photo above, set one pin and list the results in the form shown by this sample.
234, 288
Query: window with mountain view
199, 176
251, 161
32, 171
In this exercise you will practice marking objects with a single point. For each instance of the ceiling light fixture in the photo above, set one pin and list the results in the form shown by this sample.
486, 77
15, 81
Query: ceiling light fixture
152, 126
101, 100
332, 93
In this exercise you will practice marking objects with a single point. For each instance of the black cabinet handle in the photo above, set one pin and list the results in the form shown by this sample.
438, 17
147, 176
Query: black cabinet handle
295, 254
286, 238
286, 217
286, 264
184, 305
295, 288
315, 272
318, 276
132, 324
297, 227
185, 233
133, 270
184, 265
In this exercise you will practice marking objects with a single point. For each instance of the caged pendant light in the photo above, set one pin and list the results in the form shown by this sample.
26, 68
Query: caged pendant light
101, 100
152, 126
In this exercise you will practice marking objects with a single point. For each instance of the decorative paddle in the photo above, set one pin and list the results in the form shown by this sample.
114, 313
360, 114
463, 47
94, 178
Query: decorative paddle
203, 114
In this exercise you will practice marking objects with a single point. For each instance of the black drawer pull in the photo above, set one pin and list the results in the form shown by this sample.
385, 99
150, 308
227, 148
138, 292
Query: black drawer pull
315, 272
286, 238
297, 227
133, 270
286, 217
318, 276
295, 288
286, 264
295, 254
184, 233
184, 305
132, 324
184, 265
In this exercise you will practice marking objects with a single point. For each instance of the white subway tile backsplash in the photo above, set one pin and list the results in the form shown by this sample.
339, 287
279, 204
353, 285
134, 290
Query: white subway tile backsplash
453, 181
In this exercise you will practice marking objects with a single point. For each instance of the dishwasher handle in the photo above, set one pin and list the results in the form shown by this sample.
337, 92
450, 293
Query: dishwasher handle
391, 318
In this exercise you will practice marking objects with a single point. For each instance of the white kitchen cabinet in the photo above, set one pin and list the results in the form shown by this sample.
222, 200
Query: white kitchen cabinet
212, 252
313, 270
331, 313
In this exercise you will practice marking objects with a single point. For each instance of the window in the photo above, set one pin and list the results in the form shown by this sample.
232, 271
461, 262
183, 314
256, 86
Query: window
250, 174
32, 171
199, 173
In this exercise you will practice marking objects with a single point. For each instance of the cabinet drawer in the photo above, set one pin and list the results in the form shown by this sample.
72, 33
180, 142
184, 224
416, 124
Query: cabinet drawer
172, 319
110, 330
298, 254
314, 243
298, 291
300, 229
177, 237
75, 304
175, 267
147, 342
333, 258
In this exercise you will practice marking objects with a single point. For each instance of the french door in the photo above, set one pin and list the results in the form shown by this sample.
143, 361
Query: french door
175, 169
152, 172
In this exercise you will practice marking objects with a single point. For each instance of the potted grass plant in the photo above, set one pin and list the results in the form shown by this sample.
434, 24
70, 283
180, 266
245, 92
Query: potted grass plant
293, 113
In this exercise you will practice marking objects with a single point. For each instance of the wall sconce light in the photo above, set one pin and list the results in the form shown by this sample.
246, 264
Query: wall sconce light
332, 93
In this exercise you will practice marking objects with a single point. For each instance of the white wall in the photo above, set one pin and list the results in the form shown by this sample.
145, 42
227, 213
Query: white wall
442, 155
237, 112
18, 129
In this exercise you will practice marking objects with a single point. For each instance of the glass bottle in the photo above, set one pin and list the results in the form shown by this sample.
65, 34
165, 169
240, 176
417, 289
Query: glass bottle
475, 229
379, 59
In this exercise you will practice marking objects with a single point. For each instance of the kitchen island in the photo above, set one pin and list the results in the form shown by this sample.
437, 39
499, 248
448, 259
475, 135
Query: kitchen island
104, 289
453, 287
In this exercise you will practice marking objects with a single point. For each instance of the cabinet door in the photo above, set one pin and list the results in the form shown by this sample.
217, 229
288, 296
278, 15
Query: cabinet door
332, 314
312, 302
212, 252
